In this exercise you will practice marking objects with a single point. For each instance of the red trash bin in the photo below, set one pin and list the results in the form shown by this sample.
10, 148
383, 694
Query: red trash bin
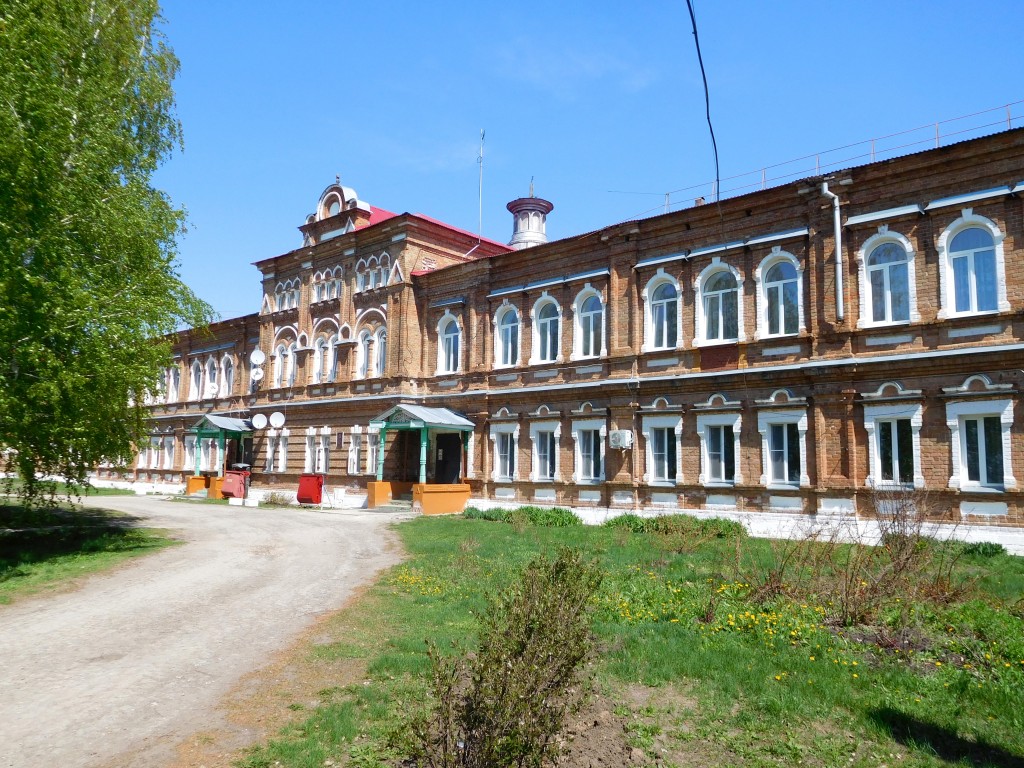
234, 484
311, 489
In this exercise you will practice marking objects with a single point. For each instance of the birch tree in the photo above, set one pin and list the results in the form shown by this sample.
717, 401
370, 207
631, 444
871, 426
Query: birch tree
89, 288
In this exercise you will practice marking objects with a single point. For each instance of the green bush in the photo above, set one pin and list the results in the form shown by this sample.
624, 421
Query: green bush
554, 517
685, 525
983, 548
506, 705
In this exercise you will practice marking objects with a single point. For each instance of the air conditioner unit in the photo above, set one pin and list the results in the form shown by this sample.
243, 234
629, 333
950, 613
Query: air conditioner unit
620, 438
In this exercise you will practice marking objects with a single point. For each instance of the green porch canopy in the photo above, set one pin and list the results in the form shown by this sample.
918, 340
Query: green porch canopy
406, 416
221, 428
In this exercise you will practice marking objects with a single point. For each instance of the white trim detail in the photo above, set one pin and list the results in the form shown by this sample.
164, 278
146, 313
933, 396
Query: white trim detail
955, 413
706, 420
875, 413
883, 236
947, 293
767, 418
535, 429
584, 425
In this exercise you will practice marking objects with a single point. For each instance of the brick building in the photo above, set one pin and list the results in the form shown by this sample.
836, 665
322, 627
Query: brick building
790, 349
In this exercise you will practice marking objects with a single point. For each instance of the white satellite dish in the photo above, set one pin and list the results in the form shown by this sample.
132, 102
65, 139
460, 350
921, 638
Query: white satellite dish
256, 357
277, 419
259, 421
256, 374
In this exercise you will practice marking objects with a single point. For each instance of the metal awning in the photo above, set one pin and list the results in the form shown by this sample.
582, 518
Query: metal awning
408, 416
212, 423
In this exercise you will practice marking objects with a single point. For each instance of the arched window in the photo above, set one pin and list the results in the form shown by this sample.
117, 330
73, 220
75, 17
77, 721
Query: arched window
293, 349
547, 330
449, 337
889, 283
972, 256
661, 321
780, 312
195, 385
380, 353
320, 356
227, 378
720, 304
211, 378
363, 355
280, 362
589, 340
506, 351
173, 384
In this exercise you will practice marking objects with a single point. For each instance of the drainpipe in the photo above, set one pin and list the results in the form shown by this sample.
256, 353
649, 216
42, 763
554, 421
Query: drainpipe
838, 229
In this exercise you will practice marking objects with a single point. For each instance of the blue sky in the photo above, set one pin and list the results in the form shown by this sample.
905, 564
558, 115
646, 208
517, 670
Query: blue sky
594, 100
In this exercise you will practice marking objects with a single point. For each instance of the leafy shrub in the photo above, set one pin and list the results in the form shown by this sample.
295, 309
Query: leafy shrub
555, 517
276, 499
494, 515
684, 525
983, 548
632, 522
506, 704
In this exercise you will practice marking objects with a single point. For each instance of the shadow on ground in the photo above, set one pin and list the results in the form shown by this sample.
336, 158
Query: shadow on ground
944, 743
33, 536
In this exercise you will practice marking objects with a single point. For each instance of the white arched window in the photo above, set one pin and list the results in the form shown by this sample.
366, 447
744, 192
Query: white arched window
888, 282
365, 341
195, 384
719, 311
211, 390
506, 337
360, 275
779, 295
971, 262
547, 316
385, 269
588, 336
380, 352
280, 363
661, 297
321, 352
449, 339
227, 376
173, 384
290, 369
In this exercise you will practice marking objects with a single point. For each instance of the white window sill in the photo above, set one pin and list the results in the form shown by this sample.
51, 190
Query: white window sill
777, 486
720, 484
978, 488
714, 342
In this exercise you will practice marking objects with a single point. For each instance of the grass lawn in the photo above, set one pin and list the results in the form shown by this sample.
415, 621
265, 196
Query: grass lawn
701, 664
45, 549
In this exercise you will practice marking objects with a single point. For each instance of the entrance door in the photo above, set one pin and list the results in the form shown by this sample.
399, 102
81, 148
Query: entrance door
448, 463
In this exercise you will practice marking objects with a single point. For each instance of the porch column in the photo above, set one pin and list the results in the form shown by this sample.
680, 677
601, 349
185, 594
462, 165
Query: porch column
220, 454
380, 454
423, 455
462, 458
197, 449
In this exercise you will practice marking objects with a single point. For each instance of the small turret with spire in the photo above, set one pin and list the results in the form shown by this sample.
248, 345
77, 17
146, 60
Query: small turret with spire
529, 220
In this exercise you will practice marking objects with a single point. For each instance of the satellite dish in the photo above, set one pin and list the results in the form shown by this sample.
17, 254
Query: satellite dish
259, 420
256, 374
277, 419
256, 357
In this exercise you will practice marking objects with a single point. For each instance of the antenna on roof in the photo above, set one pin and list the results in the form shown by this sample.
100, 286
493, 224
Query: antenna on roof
480, 162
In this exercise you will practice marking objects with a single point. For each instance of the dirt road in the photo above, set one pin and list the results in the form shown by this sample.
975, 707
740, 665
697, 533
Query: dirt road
120, 671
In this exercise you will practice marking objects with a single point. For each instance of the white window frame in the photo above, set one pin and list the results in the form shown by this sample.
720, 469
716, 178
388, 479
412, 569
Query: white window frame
504, 311
947, 288
660, 278
188, 461
873, 414
195, 381
648, 424
538, 332
280, 356
580, 332
173, 385
372, 448
355, 440
271, 457
498, 430
227, 376
364, 352
700, 338
588, 425
777, 256
320, 353
292, 363
705, 423
765, 419
885, 235
168, 452
380, 354
443, 337
536, 429
282, 451
956, 414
